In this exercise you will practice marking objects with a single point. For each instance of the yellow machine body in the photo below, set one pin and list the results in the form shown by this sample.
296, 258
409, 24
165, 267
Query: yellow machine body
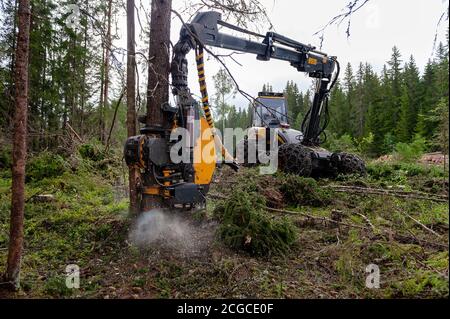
204, 155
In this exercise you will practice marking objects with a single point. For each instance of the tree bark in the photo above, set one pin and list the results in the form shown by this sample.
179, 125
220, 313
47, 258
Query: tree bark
83, 81
131, 102
19, 146
105, 92
12, 71
159, 63
158, 75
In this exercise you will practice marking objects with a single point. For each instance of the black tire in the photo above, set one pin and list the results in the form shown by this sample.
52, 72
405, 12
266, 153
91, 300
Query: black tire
351, 164
295, 159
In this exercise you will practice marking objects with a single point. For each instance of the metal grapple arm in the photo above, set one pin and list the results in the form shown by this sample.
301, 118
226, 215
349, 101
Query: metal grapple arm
204, 31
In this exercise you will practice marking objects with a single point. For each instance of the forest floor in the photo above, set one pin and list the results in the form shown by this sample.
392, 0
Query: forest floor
403, 230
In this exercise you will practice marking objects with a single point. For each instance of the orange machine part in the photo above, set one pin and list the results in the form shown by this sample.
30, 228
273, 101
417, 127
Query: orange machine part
204, 155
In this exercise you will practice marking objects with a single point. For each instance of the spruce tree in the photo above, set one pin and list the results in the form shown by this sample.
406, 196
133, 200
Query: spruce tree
410, 101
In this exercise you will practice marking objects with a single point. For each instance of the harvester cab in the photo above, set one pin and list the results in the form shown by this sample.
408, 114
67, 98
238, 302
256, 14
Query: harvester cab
270, 109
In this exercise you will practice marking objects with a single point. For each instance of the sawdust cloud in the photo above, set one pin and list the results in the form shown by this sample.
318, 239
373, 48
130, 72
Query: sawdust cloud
168, 231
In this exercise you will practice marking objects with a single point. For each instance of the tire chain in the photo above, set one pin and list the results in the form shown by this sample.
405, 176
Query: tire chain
351, 164
295, 159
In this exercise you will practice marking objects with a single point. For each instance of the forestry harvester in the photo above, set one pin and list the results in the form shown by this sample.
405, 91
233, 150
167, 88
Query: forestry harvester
186, 182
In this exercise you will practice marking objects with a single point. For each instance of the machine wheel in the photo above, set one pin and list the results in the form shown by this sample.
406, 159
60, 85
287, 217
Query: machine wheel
295, 159
351, 164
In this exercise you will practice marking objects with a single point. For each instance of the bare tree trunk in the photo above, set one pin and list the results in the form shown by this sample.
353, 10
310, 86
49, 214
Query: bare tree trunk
106, 72
131, 102
19, 146
102, 81
159, 62
83, 81
12, 71
158, 74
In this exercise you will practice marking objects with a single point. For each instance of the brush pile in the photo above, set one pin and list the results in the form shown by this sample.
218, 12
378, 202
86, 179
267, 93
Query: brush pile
245, 226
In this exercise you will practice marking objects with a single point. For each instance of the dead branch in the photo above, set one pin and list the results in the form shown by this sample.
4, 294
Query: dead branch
395, 236
367, 220
240, 10
114, 119
421, 224
322, 218
378, 232
395, 193
352, 7
74, 133
445, 15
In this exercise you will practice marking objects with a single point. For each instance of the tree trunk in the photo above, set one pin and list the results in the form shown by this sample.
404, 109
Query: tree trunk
19, 146
106, 72
158, 78
131, 102
102, 81
12, 70
83, 81
159, 59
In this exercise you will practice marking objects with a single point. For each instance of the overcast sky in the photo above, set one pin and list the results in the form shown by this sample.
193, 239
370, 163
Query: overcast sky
376, 28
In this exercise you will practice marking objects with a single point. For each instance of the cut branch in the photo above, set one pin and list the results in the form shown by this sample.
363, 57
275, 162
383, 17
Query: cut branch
114, 120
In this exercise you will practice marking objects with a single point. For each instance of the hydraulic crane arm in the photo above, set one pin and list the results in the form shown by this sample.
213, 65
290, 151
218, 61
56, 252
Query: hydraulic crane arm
204, 31
305, 58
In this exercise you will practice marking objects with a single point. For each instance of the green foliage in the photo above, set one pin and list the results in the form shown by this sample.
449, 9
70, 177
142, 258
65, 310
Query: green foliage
91, 151
439, 261
245, 226
410, 101
236, 118
297, 103
298, 190
45, 165
365, 146
412, 151
345, 143
388, 143
442, 135
5, 157
422, 281
392, 106
400, 171
56, 287
225, 88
